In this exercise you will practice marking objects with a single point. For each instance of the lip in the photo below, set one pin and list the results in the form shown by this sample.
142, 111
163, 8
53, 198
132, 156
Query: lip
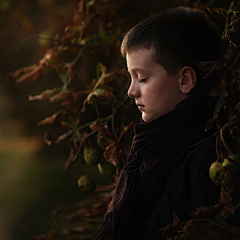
140, 107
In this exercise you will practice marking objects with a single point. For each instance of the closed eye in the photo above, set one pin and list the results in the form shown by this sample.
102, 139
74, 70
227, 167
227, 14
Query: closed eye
142, 80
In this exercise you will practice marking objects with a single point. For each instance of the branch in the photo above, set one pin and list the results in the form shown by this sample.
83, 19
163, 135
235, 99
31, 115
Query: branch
218, 133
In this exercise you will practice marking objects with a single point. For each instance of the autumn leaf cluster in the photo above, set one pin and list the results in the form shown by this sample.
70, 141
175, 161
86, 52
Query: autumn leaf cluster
98, 118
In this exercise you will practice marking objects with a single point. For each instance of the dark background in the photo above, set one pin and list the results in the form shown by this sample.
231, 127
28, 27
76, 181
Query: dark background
32, 176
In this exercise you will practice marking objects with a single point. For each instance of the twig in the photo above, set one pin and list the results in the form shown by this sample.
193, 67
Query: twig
223, 139
96, 109
217, 146
226, 127
106, 119
113, 128
78, 168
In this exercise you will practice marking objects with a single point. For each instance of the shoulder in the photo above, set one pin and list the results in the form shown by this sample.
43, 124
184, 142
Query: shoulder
199, 159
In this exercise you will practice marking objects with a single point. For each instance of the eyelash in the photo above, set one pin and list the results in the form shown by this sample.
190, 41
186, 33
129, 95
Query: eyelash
142, 80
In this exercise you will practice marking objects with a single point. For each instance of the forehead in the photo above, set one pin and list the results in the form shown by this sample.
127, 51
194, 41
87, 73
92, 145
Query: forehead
141, 59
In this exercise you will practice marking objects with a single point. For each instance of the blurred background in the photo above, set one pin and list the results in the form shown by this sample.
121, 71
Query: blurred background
32, 177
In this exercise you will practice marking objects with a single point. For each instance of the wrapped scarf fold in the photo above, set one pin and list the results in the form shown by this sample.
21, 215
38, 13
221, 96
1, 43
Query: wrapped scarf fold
158, 146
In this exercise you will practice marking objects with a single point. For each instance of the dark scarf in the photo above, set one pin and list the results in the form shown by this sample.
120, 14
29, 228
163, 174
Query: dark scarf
158, 146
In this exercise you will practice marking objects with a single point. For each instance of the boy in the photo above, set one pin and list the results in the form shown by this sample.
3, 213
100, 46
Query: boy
167, 170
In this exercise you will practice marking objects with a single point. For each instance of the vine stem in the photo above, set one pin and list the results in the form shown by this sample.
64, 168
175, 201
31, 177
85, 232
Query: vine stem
224, 141
113, 128
96, 109
89, 123
105, 118
230, 213
78, 168
226, 127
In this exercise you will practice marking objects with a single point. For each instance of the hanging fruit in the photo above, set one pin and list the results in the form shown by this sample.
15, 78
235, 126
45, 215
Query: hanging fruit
91, 155
85, 184
106, 168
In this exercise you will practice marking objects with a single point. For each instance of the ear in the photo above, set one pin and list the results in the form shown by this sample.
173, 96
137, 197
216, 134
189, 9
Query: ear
188, 79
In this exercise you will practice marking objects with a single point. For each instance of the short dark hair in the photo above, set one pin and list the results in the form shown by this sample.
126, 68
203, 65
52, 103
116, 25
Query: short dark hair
180, 37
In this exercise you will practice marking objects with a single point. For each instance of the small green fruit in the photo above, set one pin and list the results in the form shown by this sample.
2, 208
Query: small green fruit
214, 169
235, 157
107, 169
225, 162
91, 155
85, 184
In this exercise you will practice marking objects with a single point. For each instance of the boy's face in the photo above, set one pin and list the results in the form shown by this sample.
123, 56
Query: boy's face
154, 91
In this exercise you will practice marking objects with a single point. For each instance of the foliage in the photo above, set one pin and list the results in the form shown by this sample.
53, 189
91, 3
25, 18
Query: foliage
94, 36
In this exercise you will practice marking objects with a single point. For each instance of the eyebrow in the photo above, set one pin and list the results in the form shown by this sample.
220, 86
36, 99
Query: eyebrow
139, 70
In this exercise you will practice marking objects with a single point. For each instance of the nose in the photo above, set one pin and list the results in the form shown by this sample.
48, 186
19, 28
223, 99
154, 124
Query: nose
133, 91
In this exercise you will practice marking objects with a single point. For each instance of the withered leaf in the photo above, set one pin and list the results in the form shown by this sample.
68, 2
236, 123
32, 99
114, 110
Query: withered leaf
44, 95
218, 12
207, 211
63, 136
210, 66
48, 138
55, 119
227, 200
58, 97
102, 92
105, 188
74, 152
102, 128
172, 228
26, 73
33, 71
126, 129
205, 229
114, 154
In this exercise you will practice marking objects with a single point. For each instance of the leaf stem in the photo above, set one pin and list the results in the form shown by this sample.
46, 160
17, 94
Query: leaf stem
89, 123
230, 213
105, 118
228, 126
224, 141
78, 168
113, 128
96, 109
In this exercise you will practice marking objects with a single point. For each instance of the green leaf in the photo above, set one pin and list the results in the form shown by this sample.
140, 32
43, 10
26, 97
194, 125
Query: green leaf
218, 12
103, 92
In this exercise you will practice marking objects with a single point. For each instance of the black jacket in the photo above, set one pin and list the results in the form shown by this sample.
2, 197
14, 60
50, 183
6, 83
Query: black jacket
187, 187
167, 171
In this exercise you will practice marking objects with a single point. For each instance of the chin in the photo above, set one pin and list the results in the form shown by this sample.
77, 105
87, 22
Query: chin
147, 119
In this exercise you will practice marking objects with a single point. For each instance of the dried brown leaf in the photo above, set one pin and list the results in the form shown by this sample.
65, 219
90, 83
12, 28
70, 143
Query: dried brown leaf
207, 211
227, 200
103, 129
210, 66
126, 129
74, 152
44, 95
26, 73
63, 137
205, 229
172, 228
105, 188
33, 71
55, 119
114, 154
48, 138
